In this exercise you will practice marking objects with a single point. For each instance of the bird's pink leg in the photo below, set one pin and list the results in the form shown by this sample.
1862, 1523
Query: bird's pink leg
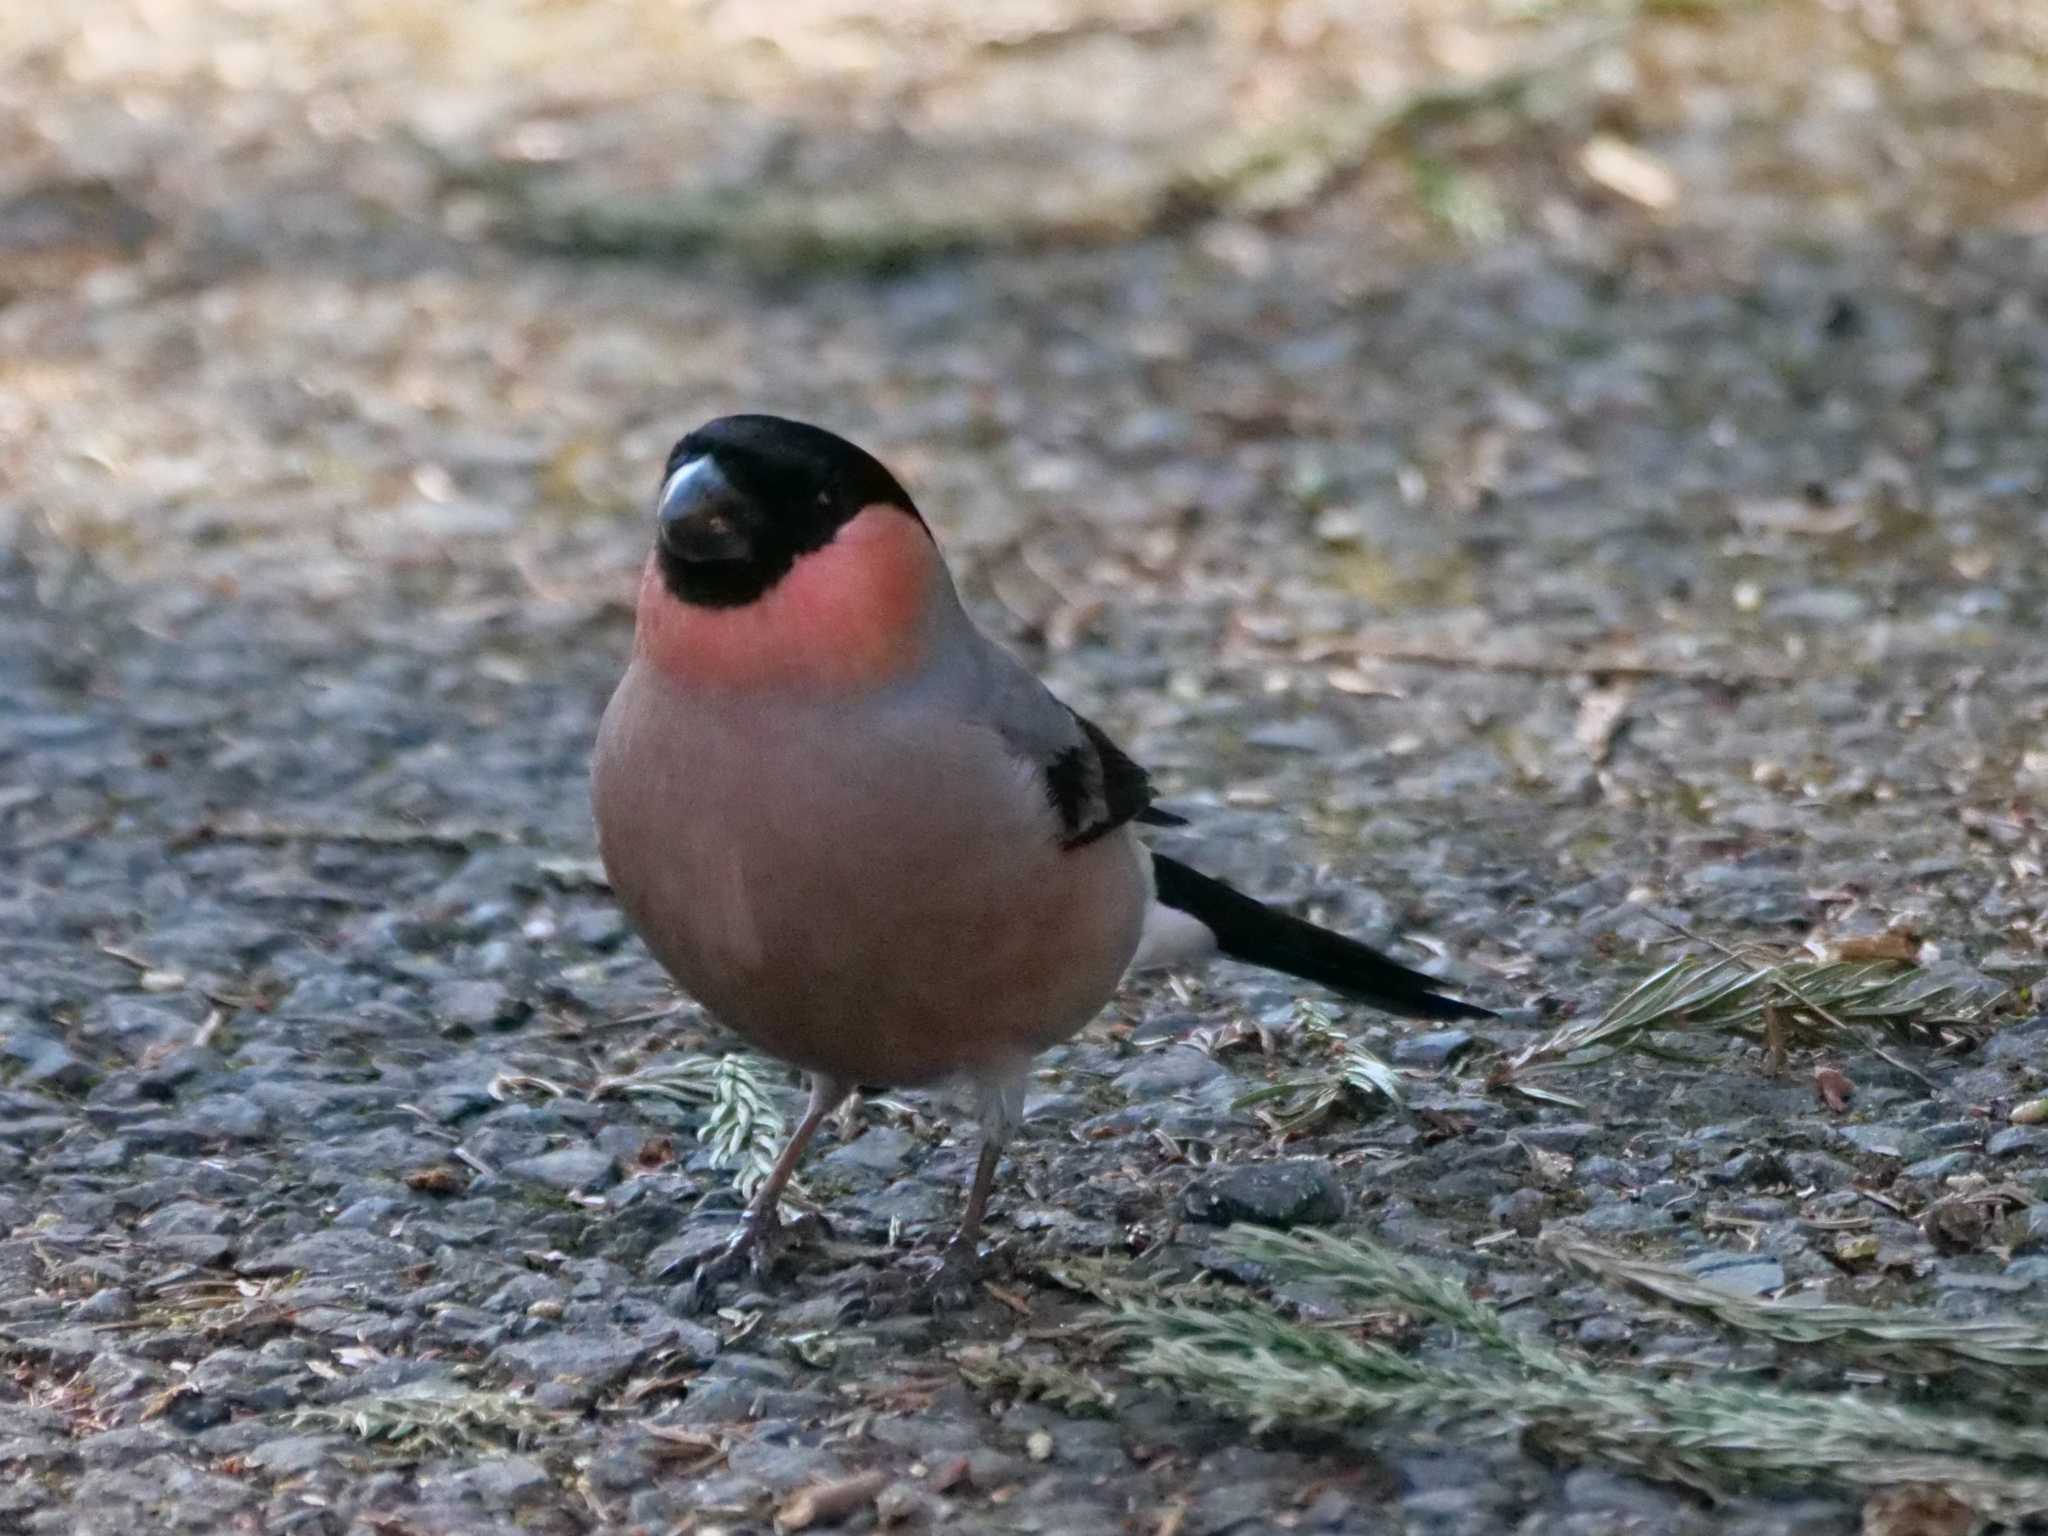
968, 1235
950, 1283
760, 1221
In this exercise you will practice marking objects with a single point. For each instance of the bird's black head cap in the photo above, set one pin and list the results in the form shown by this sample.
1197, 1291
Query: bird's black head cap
743, 498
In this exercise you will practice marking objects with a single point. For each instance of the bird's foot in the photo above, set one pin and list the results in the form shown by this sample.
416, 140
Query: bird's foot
951, 1281
948, 1279
751, 1252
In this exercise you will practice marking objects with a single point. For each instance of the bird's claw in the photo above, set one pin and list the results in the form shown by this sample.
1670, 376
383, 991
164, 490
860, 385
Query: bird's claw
952, 1282
750, 1251
947, 1281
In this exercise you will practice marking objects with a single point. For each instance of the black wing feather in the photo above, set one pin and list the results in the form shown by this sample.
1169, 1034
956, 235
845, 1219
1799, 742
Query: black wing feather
1095, 788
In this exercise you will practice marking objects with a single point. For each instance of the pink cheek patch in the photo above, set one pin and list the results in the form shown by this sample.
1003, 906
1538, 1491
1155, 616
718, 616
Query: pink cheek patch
845, 616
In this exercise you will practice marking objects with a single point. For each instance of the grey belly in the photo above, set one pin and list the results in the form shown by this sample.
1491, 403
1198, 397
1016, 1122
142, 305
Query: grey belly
882, 906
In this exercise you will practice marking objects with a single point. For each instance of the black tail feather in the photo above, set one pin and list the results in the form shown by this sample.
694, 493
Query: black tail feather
1255, 933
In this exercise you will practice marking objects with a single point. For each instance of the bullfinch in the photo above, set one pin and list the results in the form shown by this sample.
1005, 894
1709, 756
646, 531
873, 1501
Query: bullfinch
864, 836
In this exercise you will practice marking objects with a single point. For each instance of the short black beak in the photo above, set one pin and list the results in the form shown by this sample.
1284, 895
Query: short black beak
702, 517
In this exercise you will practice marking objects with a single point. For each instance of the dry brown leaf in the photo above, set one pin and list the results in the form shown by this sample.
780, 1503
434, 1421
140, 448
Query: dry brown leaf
1010, 1299
1917, 1509
1832, 1087
1629, 172
1790, 514
1552, 1168
827, 1503
1955, 1226
437, 1179
1893, 944
1602, 712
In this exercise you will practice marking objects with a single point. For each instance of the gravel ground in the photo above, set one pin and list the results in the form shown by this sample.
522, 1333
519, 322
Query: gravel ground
1519, 595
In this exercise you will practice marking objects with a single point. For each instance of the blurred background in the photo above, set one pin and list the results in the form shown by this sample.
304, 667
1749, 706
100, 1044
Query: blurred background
291, 282
1344, 395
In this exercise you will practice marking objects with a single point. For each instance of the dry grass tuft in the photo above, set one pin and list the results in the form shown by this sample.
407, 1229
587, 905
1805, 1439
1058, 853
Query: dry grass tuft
1775, 1002
2003, 1355
431, 1419
1715, 1436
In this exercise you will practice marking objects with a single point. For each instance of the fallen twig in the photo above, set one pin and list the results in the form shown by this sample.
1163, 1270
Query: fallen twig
2002, 1354
1776, 1002
254, 829
1607, 669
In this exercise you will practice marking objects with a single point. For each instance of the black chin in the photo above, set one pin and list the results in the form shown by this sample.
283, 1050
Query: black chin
719, 583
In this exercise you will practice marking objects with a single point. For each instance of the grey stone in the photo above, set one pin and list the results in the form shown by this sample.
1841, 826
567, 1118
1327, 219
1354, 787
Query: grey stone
1159, 1073
1434, 1049
66, 1348
1310, 733
1621, 1217
454, 1102
1745, 1274
1596, 1490
679, 1257
880, 1149
373, 1211
567, 1169
475, 1006
184, 1216
2033, 1270
298, 1455
2019, 1045
505, 1482
1895, 1141
1565, 1136
114, 1304
1291, 1192
231, 1114
1599, 1169
783, 1467
913, 1204
128, 1444
2015, 1139
1941, 1166
589, 1362
1819, 1169
1952, 1278
45, 1062
1956, 1133
1522, 1210
1605, 1331
196, 1247
331, 1255
179, 1137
